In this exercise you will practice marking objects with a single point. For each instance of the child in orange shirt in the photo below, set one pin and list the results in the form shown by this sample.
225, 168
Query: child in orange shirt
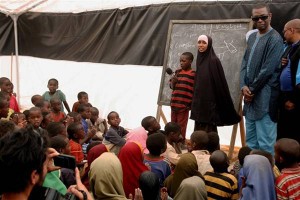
76, 133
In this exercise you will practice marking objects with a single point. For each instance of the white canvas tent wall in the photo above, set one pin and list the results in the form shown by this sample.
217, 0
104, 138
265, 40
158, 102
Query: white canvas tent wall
132, 99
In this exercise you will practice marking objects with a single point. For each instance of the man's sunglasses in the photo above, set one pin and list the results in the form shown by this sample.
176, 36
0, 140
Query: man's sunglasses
255, 19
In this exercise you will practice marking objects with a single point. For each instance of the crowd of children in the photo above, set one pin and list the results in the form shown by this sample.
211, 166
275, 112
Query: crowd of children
147, 157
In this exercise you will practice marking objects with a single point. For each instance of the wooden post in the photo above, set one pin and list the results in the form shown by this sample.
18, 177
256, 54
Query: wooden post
160, 114
234, 131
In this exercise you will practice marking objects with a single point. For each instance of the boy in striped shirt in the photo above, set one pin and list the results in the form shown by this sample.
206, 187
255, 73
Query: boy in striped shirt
286, 157
182, 84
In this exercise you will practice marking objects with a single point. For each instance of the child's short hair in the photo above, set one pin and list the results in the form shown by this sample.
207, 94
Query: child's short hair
200, 138
108, 116
189, 55
72, 130
172, 127
55, 128
149, 184
213, 142
155, 143
73, 114
35, 98
33, 109
288, 149
54, 100
58, 142
146, 122
53, 79
219, 161
81, 94
26, 113
82, 107
243, 152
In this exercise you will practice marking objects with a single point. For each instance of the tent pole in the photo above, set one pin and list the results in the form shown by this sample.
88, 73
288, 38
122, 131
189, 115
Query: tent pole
15, 19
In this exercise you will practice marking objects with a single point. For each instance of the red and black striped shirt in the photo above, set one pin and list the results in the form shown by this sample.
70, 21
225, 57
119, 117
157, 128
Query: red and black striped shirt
182, 94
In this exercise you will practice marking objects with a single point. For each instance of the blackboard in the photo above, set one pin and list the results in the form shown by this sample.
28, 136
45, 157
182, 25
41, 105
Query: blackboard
229, 44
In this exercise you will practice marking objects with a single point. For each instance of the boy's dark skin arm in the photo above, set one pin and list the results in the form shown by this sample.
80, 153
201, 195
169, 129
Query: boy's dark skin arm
67, 106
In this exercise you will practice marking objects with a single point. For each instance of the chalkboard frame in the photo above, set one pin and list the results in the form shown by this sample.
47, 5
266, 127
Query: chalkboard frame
160, 102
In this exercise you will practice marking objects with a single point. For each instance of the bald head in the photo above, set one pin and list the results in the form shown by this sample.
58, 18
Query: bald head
292, 31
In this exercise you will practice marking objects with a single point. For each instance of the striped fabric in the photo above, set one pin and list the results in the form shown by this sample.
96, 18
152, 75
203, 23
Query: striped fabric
221, 186
182, 94
288, 184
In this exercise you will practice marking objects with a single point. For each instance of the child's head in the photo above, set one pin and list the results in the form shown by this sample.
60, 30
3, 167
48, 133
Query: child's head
113, 119
156, 144
55, 104
5, 85
173, 132
35, 117
186, 60
84, 110
75, 131
219, 161
56, 128
47, 118
94, 114
36, 99
18, 118
60, 144
213, 142
76, 116
150, 186
199, 140
243, 152
150, 124
44, 106
83, 97
52, 85
91, 145
286, 152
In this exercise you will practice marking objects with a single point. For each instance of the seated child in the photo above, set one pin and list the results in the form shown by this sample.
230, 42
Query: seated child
56, 128
47, 118
61, 145
114, 138
36, 99
35, 118
19, 119
76, 133
54, 92
213, 142
85, 113
6, 86
287, 156
238, 165
151, 125
199, 142
5, 110
56, 113
173, 135
99, 124
83, 98
220, 184
157, 144
140, 135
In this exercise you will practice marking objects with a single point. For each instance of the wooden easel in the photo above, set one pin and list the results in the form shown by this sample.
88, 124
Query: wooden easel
160, 114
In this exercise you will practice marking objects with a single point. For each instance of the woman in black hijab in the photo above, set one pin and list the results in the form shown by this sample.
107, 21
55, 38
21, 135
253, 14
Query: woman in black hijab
212, 105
